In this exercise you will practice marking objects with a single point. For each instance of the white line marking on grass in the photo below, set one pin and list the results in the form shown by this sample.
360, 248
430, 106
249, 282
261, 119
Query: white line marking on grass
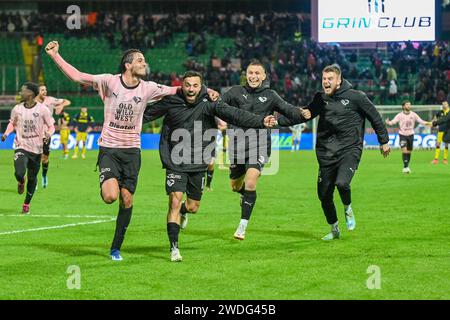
54, 216
56, 227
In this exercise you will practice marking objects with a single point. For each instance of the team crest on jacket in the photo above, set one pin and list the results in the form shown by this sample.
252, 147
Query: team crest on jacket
345, 102
262, 99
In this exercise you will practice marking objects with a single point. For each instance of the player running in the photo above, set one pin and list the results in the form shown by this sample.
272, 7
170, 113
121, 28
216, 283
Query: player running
407, 120
187, 146
340, 135
257, 97
54, 105
125, 97
34, 126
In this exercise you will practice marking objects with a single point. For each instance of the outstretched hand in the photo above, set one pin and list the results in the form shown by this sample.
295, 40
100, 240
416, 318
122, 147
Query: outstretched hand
305, 113
52, 48
270, 121
385, 149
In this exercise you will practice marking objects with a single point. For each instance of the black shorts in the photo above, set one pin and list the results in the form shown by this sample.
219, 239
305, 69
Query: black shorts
191, 183
121, 164
407, 141
47, 148
25, 161
238, 170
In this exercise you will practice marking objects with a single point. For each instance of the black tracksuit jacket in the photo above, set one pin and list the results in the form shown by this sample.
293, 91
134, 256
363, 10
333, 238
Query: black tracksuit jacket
196, 119
342, 123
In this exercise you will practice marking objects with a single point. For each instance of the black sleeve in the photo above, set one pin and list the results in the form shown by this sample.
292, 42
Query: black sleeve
315, 107
155, 110
441, 120
74, 120
371, 113
234, 115
285, 108
227, 97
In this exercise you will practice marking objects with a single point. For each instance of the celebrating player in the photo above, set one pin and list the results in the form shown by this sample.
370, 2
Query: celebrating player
34, 126
257, 97
340, 135
54, 105
191, 113
125, 97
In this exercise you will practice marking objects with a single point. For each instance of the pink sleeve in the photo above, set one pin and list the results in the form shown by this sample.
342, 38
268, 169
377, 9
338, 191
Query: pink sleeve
9, 128
396, 119
57, 101
100, 83
158, 91
12, 122
419, 119
49, 122
72, 73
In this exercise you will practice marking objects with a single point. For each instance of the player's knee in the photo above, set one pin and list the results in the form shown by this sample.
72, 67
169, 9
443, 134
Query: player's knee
19, 175
343, 185
109, 197
250, 185
192, 208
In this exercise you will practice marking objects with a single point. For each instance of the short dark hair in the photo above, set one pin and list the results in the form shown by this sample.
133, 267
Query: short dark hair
256, 62
127, 57
405, 102
33, 87
333, 68
191, 73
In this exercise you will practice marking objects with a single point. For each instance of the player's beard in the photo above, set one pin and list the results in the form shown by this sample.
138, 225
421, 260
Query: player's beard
192, 95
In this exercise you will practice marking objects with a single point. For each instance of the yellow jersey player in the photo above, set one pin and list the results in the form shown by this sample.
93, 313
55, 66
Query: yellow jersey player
64, 133
82, 126
440, 135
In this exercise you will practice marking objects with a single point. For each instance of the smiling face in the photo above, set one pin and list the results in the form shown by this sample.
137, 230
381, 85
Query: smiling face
331, 81
191, 88
255, 76
42, 91
138, 66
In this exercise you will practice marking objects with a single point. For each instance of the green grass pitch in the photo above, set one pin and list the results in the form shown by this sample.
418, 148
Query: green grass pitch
402, 228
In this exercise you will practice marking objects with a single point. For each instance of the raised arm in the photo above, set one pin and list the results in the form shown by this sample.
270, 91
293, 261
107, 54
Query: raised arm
71, 72
60, 107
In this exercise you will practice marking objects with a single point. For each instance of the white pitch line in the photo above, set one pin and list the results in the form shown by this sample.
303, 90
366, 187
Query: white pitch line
56, 227
54, 216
